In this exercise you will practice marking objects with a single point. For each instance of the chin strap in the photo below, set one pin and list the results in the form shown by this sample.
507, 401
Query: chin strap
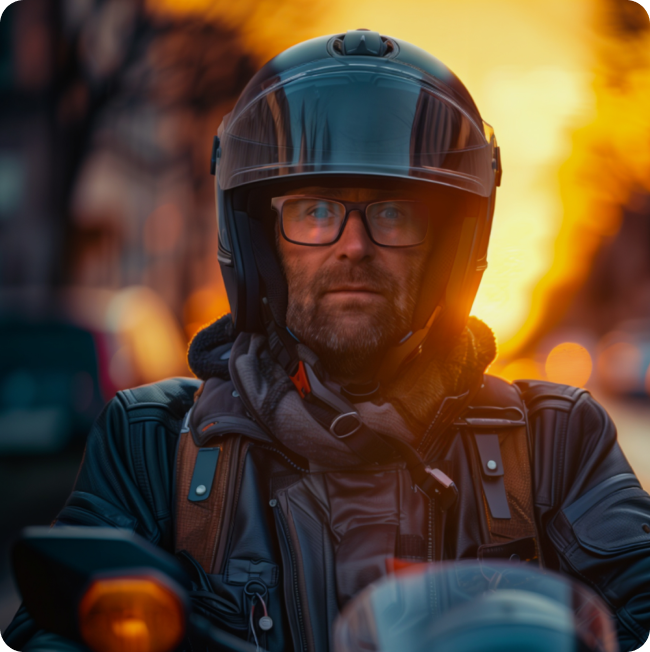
407, 350
338, 415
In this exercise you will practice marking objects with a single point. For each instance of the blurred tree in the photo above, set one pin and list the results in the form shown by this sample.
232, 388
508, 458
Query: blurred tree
107, 115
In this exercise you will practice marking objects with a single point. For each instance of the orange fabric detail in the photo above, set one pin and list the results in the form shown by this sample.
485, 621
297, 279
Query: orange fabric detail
395, 566
301, 381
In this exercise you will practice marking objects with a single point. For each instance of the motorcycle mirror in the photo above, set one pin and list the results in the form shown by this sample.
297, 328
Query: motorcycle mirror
109, 589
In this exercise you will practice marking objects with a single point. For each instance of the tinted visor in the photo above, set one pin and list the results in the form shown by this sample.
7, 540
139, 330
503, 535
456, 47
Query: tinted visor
355, 118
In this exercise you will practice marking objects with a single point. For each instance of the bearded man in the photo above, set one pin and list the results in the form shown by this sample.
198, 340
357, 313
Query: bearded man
343, 418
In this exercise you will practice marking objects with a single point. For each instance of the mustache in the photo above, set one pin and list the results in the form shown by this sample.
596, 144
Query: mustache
370, 276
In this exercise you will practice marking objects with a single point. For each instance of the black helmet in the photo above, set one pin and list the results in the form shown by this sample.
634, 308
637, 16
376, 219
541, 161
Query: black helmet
354, 109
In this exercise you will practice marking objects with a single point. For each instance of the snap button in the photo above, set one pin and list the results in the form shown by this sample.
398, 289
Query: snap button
200, 490
646, 528
265, 623
235, 393
492, 465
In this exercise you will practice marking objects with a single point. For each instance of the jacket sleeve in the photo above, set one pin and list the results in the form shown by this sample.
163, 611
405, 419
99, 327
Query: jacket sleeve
599, 517
126, 475
125, 481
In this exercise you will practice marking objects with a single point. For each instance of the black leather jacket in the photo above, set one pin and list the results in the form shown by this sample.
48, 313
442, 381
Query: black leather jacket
590, 511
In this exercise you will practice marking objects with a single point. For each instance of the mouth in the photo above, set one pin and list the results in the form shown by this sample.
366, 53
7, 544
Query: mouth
352, 289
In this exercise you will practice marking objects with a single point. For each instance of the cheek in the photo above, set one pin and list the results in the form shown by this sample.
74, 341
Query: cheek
301, 265
403, 265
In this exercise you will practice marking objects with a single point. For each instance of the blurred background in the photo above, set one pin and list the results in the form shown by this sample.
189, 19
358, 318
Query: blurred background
107, 227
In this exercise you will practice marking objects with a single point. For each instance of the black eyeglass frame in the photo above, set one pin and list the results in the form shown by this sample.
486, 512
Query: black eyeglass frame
277, 204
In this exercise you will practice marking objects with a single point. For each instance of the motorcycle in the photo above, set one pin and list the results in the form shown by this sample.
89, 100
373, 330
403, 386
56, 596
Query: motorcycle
114, 592
473, 606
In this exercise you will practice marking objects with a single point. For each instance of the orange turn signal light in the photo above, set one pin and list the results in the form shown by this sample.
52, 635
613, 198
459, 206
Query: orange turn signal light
133, 614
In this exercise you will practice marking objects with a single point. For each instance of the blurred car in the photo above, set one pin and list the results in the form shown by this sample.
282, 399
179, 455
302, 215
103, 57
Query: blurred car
63, 356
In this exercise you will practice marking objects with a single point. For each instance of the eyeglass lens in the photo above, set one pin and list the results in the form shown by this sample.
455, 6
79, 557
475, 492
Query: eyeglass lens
397, 223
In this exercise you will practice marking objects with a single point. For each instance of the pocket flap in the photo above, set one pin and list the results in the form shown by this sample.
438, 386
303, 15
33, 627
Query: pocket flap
613, 517
87, 509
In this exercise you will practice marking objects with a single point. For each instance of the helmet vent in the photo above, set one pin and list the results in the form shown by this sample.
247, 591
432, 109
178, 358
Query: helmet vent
362, 42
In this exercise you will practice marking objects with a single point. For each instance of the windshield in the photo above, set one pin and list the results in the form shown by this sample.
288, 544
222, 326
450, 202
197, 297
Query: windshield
469, 606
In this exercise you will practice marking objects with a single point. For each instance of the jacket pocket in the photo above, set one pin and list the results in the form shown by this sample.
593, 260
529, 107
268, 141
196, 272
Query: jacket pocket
604, 538
611, 519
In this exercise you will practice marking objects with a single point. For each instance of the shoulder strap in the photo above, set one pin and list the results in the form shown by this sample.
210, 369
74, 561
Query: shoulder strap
205, 494
496, 437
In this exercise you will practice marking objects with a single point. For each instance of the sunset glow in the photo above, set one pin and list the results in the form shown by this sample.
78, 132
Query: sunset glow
532, 68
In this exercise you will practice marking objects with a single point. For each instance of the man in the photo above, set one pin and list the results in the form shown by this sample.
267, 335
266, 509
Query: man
345, 424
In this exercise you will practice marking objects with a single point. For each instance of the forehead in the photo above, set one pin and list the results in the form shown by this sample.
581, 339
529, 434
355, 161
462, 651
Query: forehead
352, 194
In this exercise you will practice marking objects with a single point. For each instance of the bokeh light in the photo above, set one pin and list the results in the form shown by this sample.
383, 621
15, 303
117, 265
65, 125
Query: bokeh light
569, 363
619, 367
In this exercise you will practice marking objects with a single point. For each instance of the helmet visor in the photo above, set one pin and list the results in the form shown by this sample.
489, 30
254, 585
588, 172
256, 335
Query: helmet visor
358, 118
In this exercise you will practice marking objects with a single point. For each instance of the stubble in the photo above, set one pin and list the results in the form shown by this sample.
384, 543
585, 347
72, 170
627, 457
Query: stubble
349, 336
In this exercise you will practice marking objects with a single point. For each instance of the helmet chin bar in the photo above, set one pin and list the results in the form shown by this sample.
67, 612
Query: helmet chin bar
406, 351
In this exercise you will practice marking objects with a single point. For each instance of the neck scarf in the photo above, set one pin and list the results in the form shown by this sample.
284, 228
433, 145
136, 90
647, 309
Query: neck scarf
404, 409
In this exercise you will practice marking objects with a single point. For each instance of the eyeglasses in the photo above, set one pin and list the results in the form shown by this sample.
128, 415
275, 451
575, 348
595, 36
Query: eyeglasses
314, 221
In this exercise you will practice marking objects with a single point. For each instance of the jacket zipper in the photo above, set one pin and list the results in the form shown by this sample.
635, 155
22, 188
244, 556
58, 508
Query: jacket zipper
431, 553
286, 539
430, 550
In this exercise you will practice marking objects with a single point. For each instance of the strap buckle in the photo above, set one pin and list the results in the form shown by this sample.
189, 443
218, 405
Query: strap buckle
441, 486
345, 425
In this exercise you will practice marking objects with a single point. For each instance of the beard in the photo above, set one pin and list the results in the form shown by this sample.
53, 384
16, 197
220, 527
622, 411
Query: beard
349, 335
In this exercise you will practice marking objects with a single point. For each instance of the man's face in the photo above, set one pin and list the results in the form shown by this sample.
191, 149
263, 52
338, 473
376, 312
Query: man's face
351, 300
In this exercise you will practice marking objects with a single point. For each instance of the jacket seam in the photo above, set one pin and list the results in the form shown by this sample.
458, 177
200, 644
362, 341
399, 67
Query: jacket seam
624, 617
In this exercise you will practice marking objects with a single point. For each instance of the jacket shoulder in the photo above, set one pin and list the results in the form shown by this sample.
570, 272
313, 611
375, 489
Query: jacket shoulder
535, 394
173, 395
542, 394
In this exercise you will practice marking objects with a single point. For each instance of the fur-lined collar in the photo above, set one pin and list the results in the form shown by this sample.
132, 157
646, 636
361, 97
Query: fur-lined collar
419, 391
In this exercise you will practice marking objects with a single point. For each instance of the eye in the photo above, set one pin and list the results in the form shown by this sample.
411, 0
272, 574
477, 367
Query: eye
321, 211
390, 213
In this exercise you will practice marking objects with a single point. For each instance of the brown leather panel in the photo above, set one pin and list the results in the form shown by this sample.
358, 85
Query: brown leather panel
518, 482
228, 482
198, 524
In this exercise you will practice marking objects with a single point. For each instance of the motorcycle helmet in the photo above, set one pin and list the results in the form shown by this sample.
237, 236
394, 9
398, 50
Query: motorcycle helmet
356, 109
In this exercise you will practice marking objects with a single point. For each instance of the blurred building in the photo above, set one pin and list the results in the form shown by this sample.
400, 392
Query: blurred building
107, 222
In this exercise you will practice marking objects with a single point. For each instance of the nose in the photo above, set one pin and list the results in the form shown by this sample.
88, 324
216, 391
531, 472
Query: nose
355, 243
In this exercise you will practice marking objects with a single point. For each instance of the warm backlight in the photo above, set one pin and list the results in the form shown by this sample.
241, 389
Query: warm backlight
568, 94
131, 615
570, 364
